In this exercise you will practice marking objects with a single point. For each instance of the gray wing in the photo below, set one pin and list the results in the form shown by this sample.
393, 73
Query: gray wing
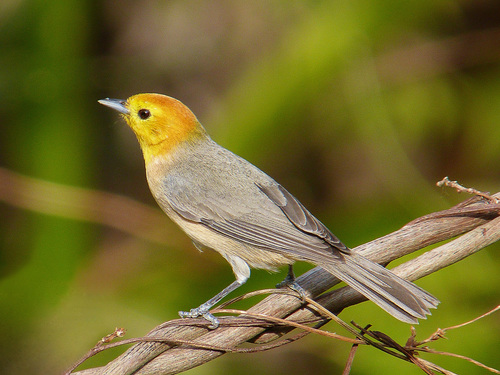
300, 216
263, 215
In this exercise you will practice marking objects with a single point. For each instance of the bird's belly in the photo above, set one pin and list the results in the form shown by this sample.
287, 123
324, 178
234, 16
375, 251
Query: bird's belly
254, 256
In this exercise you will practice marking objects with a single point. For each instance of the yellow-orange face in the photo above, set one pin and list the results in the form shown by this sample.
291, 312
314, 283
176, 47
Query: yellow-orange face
159, 122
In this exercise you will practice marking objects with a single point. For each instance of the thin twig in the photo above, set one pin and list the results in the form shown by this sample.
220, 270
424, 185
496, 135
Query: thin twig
440, 332
473, 320
289, 323
461, 189
119, 332
473, 361
350, 359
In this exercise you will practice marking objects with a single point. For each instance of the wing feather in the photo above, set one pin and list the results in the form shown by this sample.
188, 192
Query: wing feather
300, 216
269, 228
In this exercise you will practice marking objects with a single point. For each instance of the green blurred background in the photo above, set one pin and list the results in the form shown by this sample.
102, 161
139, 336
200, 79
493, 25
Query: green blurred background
357, 107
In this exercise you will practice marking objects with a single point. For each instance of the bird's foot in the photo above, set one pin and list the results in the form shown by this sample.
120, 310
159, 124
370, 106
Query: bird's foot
289, 282
201, 311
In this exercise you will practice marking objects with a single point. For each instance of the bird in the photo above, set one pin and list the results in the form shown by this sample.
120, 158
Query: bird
225, 203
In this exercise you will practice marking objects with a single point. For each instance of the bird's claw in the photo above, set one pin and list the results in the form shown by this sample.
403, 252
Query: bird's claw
201, 311
290, 282
289, 279
300, 291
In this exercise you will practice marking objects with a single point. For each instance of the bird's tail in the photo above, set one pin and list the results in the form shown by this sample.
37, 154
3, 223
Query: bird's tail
400, 298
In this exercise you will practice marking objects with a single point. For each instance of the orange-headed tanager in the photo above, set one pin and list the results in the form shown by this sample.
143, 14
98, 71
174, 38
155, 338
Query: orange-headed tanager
225, 203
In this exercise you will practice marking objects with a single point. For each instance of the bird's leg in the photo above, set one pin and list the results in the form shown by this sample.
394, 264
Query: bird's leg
203, 309
290, 282
289, 279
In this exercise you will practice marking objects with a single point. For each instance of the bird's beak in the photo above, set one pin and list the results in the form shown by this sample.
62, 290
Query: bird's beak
116, 104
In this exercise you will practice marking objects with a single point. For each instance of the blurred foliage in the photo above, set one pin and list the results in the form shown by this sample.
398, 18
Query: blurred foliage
357, 107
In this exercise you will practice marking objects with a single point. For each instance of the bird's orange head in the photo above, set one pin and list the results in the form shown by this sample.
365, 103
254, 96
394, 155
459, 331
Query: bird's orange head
160, 122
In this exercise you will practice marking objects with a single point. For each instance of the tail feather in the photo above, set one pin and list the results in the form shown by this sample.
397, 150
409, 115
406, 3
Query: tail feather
400, 298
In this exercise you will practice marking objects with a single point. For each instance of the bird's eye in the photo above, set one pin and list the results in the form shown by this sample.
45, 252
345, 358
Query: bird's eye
144, 113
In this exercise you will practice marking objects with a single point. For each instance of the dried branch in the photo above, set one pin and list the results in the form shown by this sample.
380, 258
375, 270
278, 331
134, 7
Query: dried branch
461, 189
179, 345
